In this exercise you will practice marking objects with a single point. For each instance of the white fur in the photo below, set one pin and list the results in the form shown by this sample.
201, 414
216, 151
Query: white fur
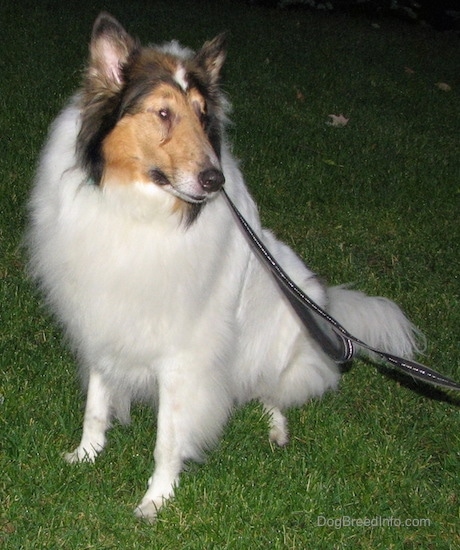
180, 77
186, 318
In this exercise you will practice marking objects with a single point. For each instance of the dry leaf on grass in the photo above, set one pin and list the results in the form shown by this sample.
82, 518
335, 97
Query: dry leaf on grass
443, 86
337, 120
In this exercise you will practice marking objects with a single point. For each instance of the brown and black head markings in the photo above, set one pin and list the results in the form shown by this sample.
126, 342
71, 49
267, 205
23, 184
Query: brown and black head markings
153, 115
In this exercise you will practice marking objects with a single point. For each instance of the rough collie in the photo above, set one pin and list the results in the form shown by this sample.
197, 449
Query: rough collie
139, 257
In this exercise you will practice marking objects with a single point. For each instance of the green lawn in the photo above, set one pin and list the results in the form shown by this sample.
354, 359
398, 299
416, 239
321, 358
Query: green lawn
376, 203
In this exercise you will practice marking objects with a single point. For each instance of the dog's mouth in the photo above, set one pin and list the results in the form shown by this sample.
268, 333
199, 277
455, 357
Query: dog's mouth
209, 181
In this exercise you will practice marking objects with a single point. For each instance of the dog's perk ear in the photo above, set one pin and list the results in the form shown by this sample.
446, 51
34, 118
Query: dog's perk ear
212, 55
110, 48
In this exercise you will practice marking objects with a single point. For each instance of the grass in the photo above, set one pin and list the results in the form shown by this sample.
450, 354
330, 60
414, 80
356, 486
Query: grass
375, 202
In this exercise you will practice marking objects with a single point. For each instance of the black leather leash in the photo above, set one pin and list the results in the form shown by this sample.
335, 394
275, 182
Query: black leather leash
333, 338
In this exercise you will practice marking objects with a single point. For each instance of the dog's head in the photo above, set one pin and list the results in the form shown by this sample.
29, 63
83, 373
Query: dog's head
153, 116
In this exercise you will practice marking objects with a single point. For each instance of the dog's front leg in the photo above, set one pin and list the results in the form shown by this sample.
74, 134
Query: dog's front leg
194, 403
169, 455
95, 423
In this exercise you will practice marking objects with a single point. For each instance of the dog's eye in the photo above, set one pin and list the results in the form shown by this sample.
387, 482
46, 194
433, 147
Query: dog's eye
164, 114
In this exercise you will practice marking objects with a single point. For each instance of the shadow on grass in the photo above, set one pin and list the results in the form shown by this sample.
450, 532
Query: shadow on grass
420, 388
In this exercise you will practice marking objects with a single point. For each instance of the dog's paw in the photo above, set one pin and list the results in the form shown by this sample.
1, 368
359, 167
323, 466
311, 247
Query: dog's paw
148, 510
279, 432
279, 435
81, 454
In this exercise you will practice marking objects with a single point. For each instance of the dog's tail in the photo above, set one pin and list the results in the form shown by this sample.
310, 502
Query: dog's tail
376, 321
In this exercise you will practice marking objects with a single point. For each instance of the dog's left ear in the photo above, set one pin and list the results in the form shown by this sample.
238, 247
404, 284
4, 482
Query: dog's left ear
212, 55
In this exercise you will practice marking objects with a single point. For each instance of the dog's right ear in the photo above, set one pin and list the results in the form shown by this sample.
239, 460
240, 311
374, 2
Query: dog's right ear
109, 49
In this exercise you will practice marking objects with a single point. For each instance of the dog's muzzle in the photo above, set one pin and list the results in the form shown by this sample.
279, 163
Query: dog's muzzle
208, 181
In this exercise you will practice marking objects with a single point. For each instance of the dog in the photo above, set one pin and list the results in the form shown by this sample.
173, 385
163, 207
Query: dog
139, 257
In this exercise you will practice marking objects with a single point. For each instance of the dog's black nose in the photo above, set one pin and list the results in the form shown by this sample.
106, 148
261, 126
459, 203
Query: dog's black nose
211, 179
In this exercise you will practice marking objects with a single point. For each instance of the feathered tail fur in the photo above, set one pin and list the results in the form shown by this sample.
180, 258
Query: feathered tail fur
377, 321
